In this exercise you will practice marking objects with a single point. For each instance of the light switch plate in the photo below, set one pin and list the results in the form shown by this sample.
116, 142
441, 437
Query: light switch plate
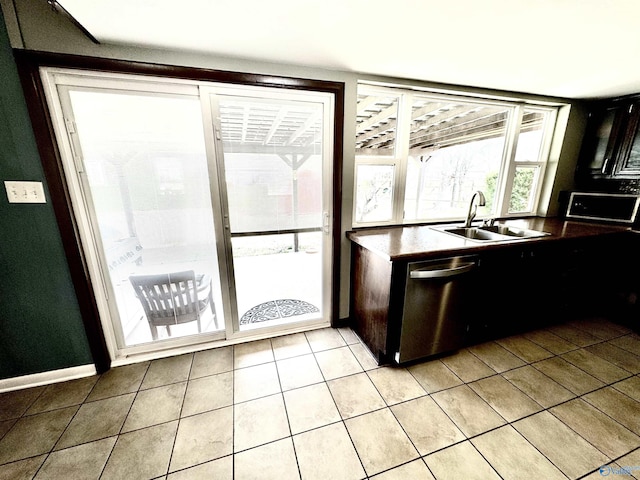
25, 192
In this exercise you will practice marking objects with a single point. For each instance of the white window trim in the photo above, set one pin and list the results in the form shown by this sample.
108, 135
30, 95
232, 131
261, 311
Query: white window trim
506, 175
394, 160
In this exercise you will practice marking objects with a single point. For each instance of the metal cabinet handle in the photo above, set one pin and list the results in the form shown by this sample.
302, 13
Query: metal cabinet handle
445, 272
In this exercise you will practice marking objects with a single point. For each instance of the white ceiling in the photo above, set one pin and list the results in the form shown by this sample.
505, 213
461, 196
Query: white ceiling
565, 48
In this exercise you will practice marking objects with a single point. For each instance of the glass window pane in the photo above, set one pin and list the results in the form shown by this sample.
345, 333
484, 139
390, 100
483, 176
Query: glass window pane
376, 125
456, 148
374, 193
524, 188
275, 283
273, 163
147, 174
441, 185
531, 136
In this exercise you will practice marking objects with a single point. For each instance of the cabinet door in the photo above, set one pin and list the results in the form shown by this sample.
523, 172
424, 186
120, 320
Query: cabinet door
601, 141
628, 164
498, 295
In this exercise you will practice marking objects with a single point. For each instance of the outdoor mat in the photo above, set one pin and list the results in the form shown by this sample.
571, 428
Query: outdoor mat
275, 309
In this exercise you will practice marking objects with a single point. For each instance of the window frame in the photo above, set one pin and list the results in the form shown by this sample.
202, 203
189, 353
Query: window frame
400, 151
399, 160
548, 129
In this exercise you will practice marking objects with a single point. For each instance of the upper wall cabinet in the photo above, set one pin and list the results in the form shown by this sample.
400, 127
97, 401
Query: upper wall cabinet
629, 158
611, 147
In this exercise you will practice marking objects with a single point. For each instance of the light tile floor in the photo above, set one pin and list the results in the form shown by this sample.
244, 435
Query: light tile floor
557, 403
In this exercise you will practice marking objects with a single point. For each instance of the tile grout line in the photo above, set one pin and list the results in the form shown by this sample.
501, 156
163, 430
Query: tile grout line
84, 402
550, 333
487, 364
389, 407
179, 419
600, 358
286, 414
514, 353
468, 438
577, 433
605, 385
605, 413
123, 421
483, 457
510, 424
138, 390
342, 420
580, 397
48, 454
506, 425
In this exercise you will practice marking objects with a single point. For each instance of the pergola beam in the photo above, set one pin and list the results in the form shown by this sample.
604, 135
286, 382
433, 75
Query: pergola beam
469, 121
303, 128
437, 113
362, 137
366, 102
379, 117
277, 121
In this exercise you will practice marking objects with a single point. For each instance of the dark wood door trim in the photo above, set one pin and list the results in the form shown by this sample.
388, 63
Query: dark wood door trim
28, 69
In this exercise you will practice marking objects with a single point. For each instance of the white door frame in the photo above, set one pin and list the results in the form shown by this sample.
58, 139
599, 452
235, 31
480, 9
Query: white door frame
209, 95
82, 207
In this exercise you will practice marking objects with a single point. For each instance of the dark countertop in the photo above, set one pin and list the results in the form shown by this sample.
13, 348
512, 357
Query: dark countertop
422, 241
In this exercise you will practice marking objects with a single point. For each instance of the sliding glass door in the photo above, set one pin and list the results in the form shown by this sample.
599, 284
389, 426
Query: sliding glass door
203, 210
270, 153
142, 166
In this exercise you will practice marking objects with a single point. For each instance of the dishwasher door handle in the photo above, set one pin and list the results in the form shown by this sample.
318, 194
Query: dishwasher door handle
442, 273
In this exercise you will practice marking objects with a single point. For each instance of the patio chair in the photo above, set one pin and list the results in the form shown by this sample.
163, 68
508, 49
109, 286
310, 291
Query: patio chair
173, 298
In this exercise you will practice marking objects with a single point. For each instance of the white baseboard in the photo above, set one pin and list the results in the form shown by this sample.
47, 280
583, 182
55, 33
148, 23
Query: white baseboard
45, 378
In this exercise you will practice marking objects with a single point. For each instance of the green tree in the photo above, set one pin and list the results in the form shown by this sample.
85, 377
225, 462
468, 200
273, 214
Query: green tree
520, 194
490, 190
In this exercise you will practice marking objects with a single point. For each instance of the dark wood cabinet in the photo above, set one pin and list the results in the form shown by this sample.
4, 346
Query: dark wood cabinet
372, 298
600, 142
580, 269
628, 162
611, 147
519, 289
516, 288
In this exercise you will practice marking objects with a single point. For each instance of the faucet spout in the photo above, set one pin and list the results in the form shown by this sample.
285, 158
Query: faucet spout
473, 207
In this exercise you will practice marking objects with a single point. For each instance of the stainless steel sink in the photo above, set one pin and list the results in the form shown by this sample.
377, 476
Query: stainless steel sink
474, 233
512, 231
492, 233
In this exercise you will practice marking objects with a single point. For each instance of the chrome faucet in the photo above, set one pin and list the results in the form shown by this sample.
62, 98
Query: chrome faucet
473, 208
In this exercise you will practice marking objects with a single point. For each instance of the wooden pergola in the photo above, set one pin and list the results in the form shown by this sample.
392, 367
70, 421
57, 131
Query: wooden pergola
288, 130
261, 127
291, 131
434, 124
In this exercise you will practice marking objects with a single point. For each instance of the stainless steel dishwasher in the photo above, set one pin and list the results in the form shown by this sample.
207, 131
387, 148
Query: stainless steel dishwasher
436, 305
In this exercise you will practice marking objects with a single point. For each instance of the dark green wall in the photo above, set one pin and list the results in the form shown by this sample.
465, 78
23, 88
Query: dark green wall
40, 323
